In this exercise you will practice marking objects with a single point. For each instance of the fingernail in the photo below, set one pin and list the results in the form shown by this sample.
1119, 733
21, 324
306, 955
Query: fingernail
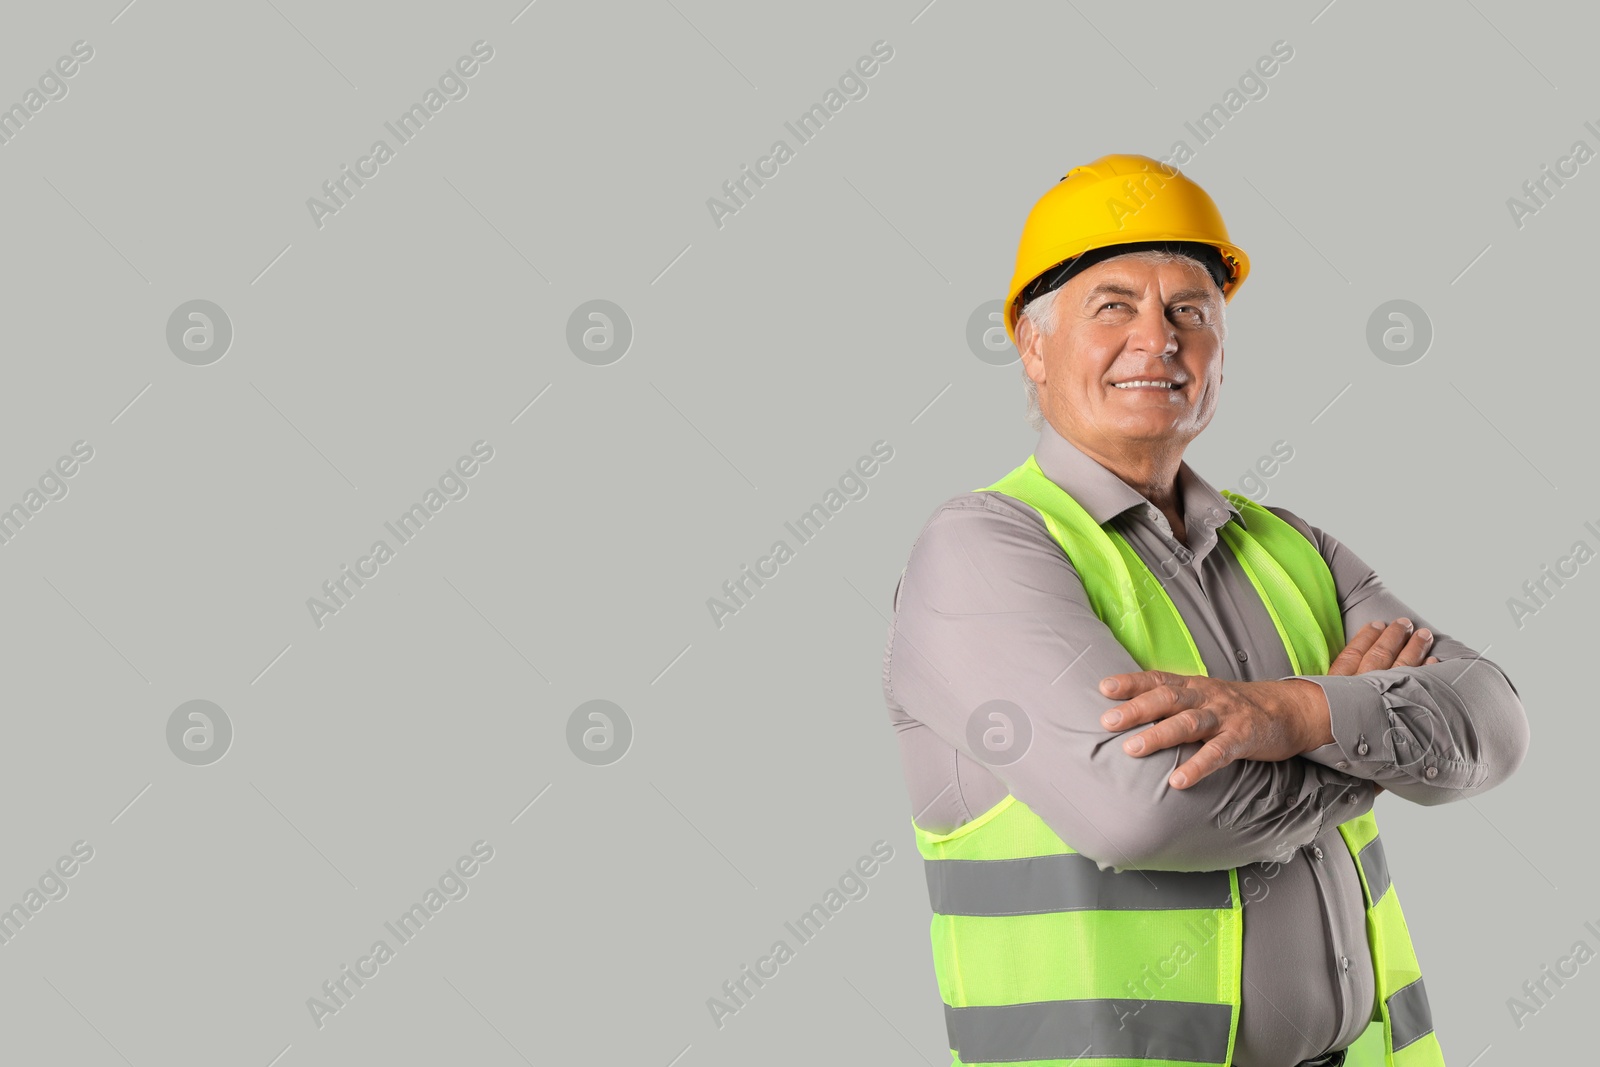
1179, 781
1136, 745
1425, 633
1111, 718
1405, 622
1377, 626
1111, 684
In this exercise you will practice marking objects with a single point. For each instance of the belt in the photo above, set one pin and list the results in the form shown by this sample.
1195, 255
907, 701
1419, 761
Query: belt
1331, 1059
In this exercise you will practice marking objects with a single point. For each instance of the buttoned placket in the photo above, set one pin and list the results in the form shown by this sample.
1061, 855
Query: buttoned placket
1316, 857
1194, 568
1317, 860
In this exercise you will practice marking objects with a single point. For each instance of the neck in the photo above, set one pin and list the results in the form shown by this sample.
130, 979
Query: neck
1152, 470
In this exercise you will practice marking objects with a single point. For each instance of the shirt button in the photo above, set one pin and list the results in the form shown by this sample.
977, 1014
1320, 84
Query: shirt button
1317, 852
1361, 749
1431, 772
1344, 962
1350, 798
1342, 765
1241, 655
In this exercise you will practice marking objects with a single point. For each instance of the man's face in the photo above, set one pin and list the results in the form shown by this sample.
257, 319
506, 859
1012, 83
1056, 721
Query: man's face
1124, 320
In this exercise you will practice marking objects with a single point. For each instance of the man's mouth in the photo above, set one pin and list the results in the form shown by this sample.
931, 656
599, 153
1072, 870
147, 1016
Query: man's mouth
1147, 383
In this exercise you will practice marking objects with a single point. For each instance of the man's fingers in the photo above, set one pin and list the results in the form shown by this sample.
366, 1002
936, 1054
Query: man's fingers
1156, 700
1382, 654
1377, 647
1124, 686
1416, 649
1213, 756
1190, 724
1349, 661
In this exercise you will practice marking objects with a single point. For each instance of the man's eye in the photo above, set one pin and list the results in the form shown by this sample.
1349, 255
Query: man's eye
1113, 304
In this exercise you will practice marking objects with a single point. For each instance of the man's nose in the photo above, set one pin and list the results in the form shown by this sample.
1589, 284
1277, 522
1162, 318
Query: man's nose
1152, 332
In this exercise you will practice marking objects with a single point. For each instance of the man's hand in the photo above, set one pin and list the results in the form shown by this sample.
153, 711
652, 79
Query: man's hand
1377, 647
1236, 720
1247, 720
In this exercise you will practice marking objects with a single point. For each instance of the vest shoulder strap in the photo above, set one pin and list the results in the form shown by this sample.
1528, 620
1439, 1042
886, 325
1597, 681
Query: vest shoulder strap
1123, 592
1294, 580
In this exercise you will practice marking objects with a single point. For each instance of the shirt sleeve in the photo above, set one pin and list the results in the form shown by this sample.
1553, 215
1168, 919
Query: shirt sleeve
1431, 733
995, 647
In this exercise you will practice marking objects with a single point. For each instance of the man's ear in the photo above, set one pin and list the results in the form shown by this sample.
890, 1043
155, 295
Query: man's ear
1030, 346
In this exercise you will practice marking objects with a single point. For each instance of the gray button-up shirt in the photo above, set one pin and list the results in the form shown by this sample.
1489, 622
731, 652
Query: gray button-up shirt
990, 608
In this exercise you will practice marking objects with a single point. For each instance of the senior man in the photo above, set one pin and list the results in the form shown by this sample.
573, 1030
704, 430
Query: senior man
1143, 722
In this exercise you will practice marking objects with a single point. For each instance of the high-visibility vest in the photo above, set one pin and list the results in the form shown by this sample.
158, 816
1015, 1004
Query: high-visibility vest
1042, 957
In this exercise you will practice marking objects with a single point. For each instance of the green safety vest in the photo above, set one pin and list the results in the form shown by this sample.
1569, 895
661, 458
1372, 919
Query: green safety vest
1043, 958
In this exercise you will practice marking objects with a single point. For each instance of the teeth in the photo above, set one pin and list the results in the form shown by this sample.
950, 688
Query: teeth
1144, 382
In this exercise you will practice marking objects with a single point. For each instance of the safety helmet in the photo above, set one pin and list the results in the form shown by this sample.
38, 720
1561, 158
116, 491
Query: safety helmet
1118, 200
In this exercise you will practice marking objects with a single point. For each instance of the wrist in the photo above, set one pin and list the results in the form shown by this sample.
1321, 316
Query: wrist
1310, 708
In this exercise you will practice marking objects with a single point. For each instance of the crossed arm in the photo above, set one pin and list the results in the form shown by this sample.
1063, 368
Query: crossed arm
1420, 727
1270, 720
991, 616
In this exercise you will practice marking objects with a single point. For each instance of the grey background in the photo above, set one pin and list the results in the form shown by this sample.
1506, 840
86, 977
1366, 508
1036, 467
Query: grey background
768, 355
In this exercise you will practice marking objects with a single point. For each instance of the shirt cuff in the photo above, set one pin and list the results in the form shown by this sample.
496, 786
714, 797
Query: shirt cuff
1358, 717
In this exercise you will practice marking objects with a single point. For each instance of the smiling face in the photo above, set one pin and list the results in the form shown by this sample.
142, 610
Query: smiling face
1124, 321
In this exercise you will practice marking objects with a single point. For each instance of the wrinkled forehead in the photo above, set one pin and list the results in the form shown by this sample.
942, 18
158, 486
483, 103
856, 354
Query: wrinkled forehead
1129, 276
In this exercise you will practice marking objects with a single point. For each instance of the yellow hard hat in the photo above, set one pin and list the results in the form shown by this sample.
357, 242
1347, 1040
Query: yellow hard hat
1118, 200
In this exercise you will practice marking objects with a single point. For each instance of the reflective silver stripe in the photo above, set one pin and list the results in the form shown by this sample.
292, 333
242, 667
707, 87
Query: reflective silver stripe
1091, 1029
1376, 866
1070, 882
1410, 1017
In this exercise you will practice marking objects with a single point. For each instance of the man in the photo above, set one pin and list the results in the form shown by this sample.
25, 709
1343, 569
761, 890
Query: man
1107, 767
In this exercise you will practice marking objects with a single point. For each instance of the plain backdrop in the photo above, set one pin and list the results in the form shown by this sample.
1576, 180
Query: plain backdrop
372, 348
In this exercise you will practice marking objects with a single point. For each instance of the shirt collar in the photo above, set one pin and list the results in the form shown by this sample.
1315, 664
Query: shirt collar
1104, 495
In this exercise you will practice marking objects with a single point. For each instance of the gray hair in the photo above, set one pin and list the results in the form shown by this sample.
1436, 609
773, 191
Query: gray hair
1041, 311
